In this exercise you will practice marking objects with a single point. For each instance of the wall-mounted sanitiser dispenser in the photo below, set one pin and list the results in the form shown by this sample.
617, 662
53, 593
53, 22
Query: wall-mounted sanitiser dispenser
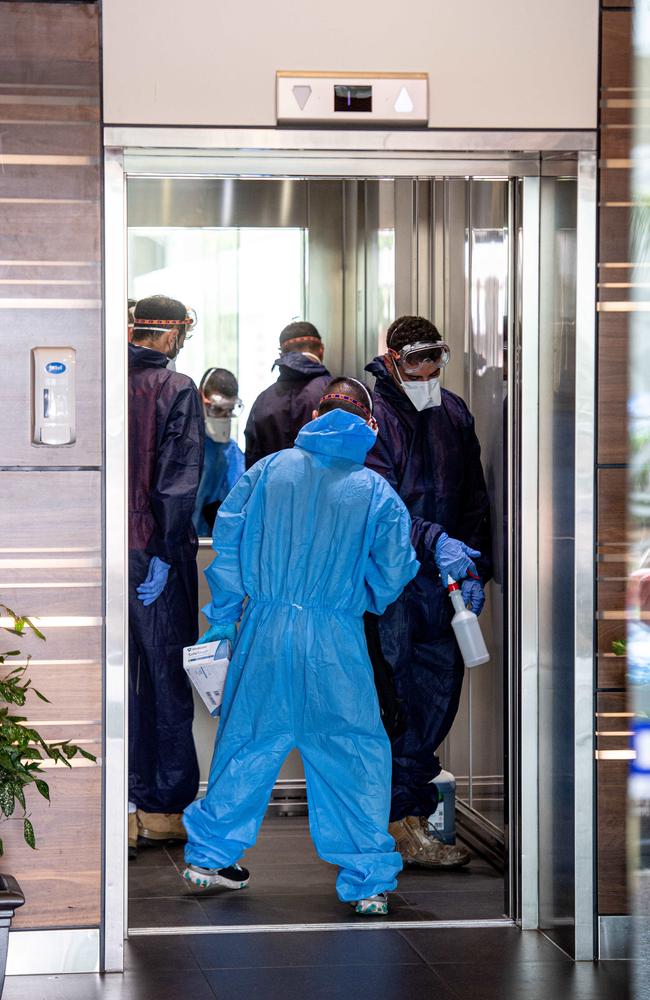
53, 396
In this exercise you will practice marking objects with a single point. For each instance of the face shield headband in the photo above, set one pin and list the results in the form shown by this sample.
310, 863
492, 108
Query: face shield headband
366, 411
163, 325
300, 340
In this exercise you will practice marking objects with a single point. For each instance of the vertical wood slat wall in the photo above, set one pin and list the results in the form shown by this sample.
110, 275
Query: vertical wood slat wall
51, 498
615, 273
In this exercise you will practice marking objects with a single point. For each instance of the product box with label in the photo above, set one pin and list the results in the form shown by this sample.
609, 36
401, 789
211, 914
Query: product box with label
206, 666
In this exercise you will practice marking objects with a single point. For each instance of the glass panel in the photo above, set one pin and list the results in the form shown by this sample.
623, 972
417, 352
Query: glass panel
556, 557
245, 284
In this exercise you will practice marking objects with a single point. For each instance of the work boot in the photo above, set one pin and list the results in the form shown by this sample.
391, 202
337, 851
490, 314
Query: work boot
133, 835
421, 848
161, 828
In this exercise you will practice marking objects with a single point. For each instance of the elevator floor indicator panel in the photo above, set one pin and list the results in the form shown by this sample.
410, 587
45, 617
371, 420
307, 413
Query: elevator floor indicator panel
348, 99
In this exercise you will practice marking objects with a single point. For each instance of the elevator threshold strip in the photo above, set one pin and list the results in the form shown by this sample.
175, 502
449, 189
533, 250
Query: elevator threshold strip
374, 925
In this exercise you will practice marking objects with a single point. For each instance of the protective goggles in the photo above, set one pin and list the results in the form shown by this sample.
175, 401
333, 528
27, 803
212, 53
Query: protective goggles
162, 325
218, 405
421, 355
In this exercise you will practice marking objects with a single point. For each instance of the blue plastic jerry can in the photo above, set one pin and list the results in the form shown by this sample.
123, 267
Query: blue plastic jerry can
443, 820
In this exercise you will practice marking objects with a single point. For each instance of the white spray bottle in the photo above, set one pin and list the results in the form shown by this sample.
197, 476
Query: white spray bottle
467, 629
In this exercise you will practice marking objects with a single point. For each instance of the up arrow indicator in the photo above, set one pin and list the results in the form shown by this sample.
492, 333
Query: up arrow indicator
302, 95
403, 104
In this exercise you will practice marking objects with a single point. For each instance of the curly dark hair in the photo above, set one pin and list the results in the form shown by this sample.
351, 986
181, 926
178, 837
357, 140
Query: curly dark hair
409, 329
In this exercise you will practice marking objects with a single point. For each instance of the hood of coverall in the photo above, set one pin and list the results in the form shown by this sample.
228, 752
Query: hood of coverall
294, 365
338, 434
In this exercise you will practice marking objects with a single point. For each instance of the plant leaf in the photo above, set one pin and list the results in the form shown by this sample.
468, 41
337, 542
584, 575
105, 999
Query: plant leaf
43, 788
35, 630
87, 754
7, 800
2, 848
30, 838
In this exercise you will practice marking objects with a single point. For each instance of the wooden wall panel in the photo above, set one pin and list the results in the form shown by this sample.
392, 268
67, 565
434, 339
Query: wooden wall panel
615, 277
51, 544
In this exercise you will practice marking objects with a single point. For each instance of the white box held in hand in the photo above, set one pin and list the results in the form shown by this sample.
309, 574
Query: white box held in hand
206, 666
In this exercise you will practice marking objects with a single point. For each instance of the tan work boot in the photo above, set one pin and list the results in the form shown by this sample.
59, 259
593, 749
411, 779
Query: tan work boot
133, 835
161, 828
419, 847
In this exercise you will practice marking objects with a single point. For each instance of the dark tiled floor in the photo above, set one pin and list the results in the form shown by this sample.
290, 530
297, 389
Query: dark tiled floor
484, 964
290, 884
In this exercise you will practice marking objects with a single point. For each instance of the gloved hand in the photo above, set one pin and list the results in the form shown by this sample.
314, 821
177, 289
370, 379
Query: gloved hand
153, 585
454, 558
473, 595
217, 632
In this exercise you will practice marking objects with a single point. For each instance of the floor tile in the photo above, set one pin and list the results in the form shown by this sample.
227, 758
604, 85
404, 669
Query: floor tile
164, 953
131, 986
387, 982
166, 913
534, 980
302, 948
480, 905
149, 883
478, 945
223, 908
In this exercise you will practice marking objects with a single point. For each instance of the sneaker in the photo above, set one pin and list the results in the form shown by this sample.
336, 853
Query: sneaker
161, 828
234, 877
420, 846
376, 906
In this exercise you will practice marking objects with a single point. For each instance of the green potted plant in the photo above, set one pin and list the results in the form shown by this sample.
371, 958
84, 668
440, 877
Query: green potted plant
23, 752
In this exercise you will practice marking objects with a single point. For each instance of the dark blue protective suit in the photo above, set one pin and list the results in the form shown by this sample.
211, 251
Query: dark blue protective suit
165, 458
433, 460
315, 540
223, 464
280, 411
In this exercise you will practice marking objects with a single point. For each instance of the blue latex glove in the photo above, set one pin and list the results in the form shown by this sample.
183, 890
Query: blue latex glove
473, 595
152, 587
454, 558
217, 632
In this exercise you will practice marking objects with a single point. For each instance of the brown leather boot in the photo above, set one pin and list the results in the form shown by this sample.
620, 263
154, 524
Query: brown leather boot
133, 835
420, 848
161, 828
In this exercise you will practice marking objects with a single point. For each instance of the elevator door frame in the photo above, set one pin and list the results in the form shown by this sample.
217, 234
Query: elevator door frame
286, 153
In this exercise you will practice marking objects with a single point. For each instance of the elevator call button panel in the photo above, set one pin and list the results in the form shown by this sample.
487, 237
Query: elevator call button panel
395, 99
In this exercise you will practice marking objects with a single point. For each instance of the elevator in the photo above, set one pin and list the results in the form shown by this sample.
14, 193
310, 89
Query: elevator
487, 246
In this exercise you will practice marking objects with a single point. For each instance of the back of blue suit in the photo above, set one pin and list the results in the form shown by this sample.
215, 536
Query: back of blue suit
314, 540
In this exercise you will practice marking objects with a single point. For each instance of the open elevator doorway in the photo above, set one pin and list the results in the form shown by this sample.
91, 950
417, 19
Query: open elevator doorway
349, 254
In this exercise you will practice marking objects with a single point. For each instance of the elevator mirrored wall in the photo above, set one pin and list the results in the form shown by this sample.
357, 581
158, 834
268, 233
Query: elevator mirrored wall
350, 254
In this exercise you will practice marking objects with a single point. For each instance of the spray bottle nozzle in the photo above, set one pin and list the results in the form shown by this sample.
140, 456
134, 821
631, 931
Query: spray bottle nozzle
451, 584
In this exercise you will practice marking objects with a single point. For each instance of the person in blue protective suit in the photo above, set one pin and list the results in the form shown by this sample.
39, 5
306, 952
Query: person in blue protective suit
224, 460
428, 451
313, 539
165, 458
280, 411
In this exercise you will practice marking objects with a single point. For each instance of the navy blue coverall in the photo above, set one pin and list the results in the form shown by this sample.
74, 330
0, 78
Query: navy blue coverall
280, 411
165, 460
432, 459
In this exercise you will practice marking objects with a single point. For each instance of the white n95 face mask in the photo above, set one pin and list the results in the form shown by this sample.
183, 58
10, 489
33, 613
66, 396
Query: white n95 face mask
424, 395
218, 428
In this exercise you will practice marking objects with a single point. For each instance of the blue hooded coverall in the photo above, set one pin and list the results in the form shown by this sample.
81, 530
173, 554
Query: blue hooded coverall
315, 540
432, 459
223, 464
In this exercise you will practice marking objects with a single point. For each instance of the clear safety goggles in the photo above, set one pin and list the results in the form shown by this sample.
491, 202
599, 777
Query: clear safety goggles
413, 358
223, 406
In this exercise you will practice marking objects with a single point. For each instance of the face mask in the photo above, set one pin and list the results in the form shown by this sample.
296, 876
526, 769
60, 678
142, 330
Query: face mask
424, 395
218, 429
